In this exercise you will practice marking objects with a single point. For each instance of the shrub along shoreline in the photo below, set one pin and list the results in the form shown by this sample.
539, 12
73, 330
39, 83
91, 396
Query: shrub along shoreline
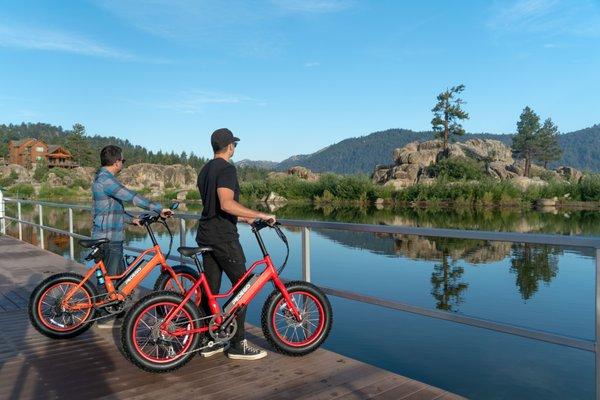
360, 190
337, 189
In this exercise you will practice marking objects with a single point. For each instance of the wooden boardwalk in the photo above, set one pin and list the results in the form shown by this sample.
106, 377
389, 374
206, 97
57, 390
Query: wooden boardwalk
91, 366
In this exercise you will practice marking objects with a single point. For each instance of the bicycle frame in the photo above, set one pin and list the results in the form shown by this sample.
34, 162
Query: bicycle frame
133, 276
241, 299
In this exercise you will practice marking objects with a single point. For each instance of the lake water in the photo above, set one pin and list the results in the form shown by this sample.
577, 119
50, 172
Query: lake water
541, 287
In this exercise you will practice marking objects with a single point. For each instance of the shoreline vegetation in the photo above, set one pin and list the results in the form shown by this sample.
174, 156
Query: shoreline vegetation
359, 191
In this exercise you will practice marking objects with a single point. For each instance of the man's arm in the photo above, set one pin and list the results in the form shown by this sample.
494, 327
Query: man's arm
230, 206
114, 188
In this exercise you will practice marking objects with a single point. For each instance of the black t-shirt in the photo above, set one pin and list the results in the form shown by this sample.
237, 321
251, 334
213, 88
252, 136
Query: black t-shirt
216, 225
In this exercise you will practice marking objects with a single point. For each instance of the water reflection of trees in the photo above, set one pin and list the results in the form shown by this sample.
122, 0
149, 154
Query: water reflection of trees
508, 220
532, 265
448, 287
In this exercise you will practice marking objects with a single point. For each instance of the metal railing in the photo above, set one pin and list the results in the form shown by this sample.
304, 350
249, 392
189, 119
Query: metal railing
307, 226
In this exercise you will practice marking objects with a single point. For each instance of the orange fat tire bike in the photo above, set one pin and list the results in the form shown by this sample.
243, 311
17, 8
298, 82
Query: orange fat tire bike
163, 330
67, 304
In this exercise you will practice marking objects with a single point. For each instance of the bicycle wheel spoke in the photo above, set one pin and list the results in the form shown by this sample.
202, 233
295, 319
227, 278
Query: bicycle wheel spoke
145, 343
286, 330
310, 322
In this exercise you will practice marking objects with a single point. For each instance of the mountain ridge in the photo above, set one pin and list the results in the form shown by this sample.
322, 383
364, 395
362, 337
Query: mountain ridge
361, 154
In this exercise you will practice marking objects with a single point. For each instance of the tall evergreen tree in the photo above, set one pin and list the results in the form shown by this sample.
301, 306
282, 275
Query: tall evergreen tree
79, 146
525, 144
448, 113
548, 147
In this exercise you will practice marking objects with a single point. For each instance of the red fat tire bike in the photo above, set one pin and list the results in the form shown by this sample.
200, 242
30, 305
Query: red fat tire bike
164, 330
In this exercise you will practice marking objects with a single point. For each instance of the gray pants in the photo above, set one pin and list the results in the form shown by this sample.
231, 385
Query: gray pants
113, 258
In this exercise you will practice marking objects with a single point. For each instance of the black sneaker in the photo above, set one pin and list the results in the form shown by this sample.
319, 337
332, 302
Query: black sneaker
243, 351
214, 349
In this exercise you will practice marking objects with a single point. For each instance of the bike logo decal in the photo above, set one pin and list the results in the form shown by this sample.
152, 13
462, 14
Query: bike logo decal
133, 275
241, 293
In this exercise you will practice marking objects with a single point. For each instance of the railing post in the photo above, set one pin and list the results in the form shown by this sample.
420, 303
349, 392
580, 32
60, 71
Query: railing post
41, 222
182, 232
597, 324
19, 217
71, 244
2, 220
306, 254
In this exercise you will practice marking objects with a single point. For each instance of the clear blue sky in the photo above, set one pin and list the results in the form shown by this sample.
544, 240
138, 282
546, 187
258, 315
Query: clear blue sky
292, 76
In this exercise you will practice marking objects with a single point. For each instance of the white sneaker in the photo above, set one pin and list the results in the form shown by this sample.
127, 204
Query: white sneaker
214, 349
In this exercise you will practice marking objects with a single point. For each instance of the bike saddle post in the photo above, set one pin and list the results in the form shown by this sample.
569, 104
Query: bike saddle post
198, 264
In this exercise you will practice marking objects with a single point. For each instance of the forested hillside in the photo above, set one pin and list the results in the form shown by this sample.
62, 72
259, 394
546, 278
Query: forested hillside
88, 148
361, 154
582, 148
353, 155
57, 135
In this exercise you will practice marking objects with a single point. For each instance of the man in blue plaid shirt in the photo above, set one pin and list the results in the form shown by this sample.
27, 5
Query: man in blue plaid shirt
109, 213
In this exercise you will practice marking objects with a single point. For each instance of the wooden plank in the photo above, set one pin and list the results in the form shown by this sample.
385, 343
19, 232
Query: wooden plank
410, 388
7, 304
323, 380
16, 299
350, 387
372, 390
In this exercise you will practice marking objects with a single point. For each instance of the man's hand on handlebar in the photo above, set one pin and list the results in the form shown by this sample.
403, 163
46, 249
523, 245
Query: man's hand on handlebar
166, 213
136, 222
269, 218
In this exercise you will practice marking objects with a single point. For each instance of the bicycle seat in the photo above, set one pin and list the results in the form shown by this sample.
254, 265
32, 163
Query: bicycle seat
87, 243
192, 251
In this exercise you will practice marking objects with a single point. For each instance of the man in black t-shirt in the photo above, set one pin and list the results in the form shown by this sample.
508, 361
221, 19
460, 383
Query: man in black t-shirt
220, 192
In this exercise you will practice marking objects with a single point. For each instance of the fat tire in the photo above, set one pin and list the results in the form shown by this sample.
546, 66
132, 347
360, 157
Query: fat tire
40, 289
128, 346
267, 320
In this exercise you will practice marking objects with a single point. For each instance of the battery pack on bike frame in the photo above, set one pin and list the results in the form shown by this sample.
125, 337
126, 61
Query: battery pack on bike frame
228, 306
132, 274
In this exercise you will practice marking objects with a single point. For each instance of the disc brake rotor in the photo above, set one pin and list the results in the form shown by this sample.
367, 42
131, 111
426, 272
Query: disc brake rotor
289, 317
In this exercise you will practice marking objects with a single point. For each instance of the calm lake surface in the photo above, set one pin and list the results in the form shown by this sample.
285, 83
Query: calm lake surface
541, 287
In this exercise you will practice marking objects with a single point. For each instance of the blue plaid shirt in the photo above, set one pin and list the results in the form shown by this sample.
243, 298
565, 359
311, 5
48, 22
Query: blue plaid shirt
109, 214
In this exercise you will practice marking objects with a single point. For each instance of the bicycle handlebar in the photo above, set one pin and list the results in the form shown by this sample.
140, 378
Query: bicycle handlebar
259, 224
149, 218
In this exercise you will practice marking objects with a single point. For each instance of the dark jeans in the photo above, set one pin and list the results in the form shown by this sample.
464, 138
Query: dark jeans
113, 258
227, 257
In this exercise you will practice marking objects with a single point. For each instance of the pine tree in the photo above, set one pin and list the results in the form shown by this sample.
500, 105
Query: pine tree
448, 113
79, 146
548, 147
525, 143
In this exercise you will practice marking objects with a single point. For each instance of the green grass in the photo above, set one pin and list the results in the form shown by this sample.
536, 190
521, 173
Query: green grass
48, 192
21, 190
170, 194
192, 195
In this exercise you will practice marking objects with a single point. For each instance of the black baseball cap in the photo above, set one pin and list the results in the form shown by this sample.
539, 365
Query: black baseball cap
221, 138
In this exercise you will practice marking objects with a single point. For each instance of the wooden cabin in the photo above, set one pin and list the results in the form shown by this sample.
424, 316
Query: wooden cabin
28, 152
